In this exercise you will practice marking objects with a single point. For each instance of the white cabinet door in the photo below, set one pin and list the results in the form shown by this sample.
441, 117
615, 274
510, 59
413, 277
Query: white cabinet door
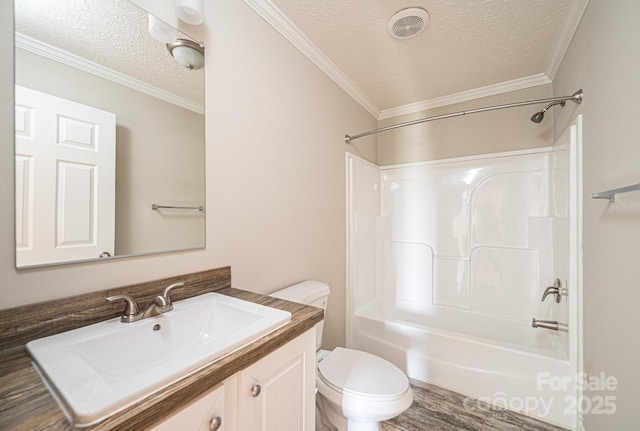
277, 393
213, 411
65, 179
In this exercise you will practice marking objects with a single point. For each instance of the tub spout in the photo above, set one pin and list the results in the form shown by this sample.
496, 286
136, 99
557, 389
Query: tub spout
549, 324
546, 324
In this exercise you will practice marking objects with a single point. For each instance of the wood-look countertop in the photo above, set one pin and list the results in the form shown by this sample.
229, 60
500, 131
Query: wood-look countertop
27, 405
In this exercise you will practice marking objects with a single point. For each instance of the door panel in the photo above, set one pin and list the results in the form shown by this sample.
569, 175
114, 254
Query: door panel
65, 179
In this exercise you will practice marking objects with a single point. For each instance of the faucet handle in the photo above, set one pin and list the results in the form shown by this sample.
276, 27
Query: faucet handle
553, 290
130, 310
166, 293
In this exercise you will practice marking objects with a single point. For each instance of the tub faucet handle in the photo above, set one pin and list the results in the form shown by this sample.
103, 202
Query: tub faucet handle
553, 290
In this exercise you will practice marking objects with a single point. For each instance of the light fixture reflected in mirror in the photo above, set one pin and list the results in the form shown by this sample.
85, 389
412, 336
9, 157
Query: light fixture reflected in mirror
187, 53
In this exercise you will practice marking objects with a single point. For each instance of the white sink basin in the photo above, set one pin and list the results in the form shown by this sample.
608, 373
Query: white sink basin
100, 369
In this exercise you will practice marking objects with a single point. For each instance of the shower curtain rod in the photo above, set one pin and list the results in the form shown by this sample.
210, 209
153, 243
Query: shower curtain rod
575, 97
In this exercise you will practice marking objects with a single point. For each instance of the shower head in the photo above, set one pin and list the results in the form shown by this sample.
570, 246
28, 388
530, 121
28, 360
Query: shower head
575, 98
539, 116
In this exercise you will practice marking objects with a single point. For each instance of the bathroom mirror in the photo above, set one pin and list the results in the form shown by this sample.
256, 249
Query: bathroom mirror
109, 134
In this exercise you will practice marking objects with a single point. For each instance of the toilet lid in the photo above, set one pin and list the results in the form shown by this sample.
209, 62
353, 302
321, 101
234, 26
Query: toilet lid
362, 373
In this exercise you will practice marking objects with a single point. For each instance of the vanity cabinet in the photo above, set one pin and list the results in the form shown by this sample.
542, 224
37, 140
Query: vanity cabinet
206, 413
276, 393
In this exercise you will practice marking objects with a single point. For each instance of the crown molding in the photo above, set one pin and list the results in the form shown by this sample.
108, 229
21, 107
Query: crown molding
45, 50
274, 17
571, 22
465, 96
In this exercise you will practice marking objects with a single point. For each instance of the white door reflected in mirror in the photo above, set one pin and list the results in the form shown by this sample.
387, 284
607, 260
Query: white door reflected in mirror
65, 179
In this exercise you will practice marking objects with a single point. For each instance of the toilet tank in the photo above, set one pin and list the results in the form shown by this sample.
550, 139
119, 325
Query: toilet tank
310, 292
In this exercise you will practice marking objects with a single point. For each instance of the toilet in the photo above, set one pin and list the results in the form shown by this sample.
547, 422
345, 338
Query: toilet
356, 390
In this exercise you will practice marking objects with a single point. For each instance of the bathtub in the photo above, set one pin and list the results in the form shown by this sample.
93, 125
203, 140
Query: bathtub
491, 371
447, 262
499, 333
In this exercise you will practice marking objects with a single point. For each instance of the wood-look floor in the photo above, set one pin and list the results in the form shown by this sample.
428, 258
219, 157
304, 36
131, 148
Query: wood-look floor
438, 409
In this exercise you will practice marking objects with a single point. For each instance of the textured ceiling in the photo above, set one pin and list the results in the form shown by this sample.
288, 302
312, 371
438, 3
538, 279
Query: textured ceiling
468, 44
111, 33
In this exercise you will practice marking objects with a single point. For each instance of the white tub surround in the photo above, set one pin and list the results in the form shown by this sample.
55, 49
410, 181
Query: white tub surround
448, 261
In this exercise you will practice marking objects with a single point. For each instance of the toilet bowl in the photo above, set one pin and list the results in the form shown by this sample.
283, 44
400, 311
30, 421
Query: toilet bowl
360, 390
356, 390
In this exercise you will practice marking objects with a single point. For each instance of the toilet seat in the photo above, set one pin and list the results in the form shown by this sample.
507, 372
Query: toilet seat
350, 372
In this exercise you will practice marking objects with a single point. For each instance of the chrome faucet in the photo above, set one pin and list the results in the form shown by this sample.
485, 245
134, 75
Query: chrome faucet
160, 304
553, 290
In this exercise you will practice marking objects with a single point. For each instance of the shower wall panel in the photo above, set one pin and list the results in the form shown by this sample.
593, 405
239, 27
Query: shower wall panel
471, 234
363, 210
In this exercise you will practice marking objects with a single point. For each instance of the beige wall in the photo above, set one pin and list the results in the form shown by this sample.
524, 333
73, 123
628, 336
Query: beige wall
159, 155
604, 60
275, 127
481, 133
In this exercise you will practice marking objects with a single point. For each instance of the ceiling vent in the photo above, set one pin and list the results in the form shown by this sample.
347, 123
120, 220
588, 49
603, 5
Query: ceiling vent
408, 23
